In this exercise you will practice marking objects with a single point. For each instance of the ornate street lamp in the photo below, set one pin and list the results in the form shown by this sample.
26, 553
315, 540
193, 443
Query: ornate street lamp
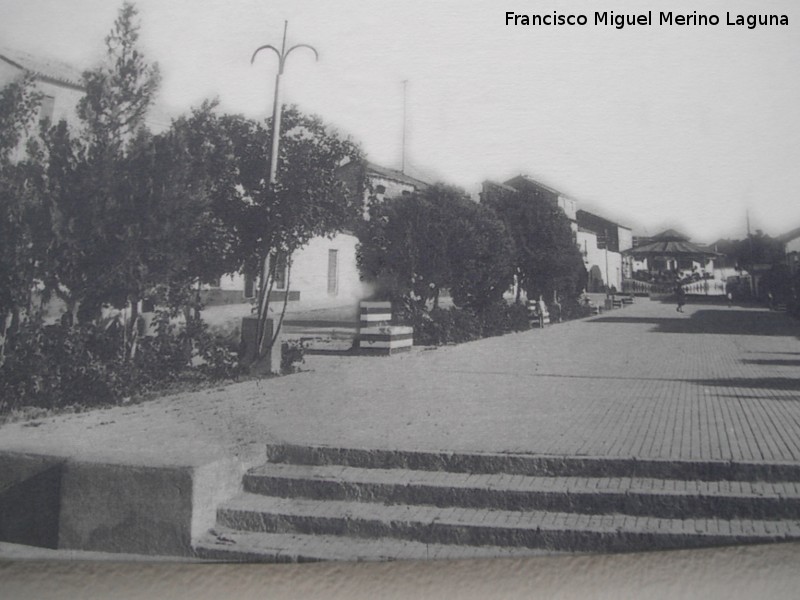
282, 54
263, 300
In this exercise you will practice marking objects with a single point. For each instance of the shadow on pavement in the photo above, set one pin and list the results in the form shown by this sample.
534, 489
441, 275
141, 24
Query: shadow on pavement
761, 383
775, 362
746, 397
730, 322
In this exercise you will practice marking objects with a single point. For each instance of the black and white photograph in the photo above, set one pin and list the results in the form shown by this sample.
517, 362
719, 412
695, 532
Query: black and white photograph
466, 299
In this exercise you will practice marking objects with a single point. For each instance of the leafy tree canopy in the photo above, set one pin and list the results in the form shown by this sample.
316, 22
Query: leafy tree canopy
546, 258
121, 90
758, 248
414, 246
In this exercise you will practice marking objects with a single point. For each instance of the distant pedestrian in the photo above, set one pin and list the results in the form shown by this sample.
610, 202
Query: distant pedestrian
730, 299
681, 294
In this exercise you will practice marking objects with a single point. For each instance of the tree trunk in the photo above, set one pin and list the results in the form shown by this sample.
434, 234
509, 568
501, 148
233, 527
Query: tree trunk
6, 326
265, 289
132, 328
197, 302
285, 303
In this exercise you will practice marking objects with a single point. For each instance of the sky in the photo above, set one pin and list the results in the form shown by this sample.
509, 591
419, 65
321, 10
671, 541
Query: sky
691, 127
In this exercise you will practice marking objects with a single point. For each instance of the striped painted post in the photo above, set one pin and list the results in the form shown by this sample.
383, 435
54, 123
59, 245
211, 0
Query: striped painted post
386, 340
374, 314
376, 334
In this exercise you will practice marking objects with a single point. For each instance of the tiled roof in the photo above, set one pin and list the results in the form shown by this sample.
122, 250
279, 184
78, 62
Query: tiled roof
670, 247
395, 175
531, 181
500, 186
670, 235
585, 218
50, 69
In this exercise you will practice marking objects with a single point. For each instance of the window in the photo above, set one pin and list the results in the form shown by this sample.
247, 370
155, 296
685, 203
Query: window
46, 108
333, 272
280, 271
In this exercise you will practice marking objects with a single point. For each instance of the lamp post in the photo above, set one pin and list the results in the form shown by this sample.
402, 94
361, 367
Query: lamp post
263, 300
282, 54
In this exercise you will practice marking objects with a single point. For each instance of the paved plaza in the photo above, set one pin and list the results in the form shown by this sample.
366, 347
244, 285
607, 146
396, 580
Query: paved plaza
644, 381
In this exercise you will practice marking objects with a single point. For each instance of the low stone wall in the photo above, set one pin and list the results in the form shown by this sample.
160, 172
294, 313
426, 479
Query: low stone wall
62, 503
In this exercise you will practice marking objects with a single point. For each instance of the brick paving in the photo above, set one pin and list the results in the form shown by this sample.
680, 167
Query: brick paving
714, 383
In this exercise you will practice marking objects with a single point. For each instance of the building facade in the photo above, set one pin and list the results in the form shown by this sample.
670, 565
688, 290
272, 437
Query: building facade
324, 277
60, 85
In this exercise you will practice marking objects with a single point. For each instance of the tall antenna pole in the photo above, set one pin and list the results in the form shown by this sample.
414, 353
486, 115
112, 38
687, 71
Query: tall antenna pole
403, 158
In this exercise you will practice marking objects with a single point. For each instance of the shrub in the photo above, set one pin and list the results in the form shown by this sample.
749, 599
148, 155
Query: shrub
55, 366
495, 320
518, 317
464, 326
502, 318
572, 309
793, 308
163, 356
51, 366
292, 354
443, 326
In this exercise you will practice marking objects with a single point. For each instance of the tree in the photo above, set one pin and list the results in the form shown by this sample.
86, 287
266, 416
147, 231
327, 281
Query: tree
203, 152
758, 248
404, 247
480, 258
308, 200
102, 190
414, 246
546, 258
121, 90
20, 204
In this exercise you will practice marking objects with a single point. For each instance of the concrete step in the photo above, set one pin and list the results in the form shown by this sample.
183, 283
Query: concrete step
231, 545
636, 496
535, 465
546, 530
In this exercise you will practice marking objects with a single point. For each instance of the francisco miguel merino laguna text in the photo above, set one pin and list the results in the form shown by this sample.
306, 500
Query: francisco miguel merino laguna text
619, 21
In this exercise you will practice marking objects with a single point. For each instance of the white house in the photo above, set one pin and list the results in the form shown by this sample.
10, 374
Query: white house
602, 243
60, 84
324, 283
